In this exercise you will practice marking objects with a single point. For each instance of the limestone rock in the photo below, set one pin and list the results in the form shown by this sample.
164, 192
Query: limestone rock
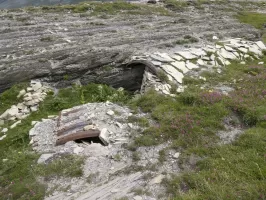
191, 65
110, 112
4, 130
89, 127
187, 55
227, 55
21, 93
178, 76
3, 137
176, 155
15, 124
181, 66
177, 57
157, 180
78, 150
261, 45
44, 158
36, 86
104, 136
137, 198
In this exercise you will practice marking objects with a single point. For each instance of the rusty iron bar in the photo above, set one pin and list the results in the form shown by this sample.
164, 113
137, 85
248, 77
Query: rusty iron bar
71, 127
76, 136
72, 111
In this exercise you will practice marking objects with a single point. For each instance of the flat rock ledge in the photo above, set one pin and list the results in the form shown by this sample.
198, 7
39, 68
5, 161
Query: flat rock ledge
193, 61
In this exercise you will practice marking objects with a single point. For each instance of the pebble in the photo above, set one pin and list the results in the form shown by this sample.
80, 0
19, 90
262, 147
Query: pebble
110, 112
4, 130
176, 155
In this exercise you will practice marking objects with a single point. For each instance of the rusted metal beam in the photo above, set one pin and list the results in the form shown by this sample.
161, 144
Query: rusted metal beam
71, 127
76, 136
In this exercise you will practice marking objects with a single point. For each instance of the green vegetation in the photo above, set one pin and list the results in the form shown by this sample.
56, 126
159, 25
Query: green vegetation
187, 40
191, 121
257, 20
234, 171
69, 166
9, 97
47, 39
104, 8
19, 171
140, 121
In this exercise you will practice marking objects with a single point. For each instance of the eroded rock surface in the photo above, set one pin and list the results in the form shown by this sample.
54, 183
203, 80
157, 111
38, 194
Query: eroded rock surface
65, 47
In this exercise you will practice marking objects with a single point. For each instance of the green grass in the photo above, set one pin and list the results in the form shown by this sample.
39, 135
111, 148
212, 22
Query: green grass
68, 165
191, 121
236, 171
104, 8
20, 172
258, 20
255, 19
9, 97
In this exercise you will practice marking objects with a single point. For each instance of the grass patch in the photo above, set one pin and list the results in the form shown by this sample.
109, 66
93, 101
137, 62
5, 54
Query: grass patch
258, 20
230, 172
9, 97
68, 166
188, 39
255, 19
105, 8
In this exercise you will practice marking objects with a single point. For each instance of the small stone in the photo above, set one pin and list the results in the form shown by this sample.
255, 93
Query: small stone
29, 89
44, 158
104, 136
157, 180
215, 37
21, 93
176, 155
137, 198
261, 45
2, 122
119, 125
34, 122
243, 63
15, 124
110, 112
261, 63
31, 141
187, 55
27, 98
5, 160
36, 86
3, 137
130, 125
191, 65
78, 150
89, 127
4, 130
51, 116
166, 92
33, 108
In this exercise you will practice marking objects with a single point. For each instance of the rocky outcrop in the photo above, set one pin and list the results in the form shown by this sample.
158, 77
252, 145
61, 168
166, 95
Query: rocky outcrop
69, 47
